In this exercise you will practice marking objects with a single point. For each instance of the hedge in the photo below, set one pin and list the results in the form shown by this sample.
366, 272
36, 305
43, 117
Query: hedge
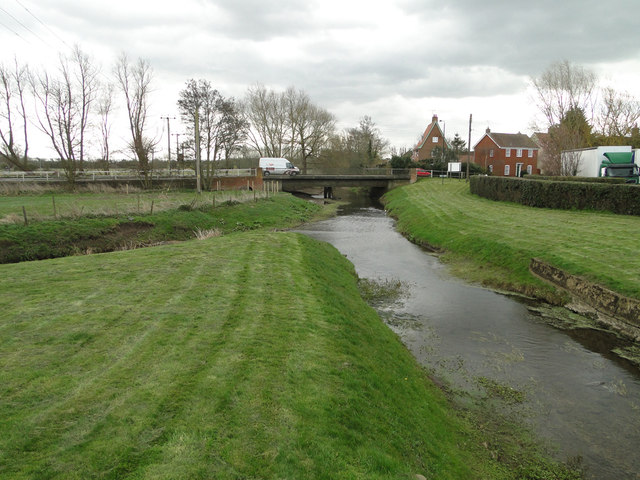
566, 195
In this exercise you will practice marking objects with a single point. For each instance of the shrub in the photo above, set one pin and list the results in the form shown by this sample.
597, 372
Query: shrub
566, 195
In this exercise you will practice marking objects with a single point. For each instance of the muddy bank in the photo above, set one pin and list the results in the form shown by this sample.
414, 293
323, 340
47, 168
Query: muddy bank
603, 306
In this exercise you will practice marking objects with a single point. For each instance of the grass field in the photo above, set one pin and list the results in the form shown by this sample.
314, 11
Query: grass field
51, 205
97, 234
493, 242
245, 356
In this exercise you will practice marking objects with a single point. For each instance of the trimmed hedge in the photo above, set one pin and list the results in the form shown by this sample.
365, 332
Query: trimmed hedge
565, 195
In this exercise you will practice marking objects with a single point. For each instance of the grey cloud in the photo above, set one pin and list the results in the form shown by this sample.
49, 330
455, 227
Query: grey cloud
525, 36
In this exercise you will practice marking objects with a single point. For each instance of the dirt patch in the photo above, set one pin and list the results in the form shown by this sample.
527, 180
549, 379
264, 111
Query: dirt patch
123, 236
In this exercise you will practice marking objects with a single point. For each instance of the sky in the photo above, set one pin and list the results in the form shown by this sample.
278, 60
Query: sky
398, 61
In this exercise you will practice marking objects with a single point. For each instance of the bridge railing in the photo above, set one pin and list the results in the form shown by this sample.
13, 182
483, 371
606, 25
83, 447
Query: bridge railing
357, 171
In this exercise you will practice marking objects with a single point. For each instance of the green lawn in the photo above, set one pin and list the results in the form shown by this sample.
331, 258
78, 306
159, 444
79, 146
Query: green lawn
245, 356
493, 242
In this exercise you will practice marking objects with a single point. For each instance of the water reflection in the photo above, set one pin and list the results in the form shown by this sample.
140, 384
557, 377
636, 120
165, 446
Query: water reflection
583, 401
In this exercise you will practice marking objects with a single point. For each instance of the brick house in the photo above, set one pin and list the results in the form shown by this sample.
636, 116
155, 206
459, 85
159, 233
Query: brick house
431, 138
507, 154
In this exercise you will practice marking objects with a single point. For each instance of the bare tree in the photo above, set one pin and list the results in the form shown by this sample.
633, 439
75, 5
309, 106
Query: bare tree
309, 126
64, 105
58, 117
12, 96
105, 107
199, 96
234, 128
266, 112
619, 115
564, 87
366, 143
134, 81
563, 93
86, 79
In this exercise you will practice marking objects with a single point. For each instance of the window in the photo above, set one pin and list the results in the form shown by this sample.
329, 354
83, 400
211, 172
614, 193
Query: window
491, 153
506, 170
490, 168
435, 139
529, 168
519, 153
531, 153
508, 152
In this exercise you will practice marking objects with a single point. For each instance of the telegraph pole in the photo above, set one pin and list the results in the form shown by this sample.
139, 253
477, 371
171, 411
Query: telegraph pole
197, 125
169, 141
469, 146
177, 135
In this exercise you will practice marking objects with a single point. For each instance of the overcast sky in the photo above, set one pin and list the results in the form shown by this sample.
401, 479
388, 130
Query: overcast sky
398, 61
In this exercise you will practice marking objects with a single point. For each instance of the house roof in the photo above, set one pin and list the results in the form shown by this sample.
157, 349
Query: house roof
512, 140
427, 133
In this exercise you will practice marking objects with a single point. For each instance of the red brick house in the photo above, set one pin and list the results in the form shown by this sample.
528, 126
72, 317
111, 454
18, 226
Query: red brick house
431, 138
507, 154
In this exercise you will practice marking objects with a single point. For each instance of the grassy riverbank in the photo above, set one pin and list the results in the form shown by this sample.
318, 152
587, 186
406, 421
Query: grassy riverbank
97, 233
492, 242
245, 356
248, 356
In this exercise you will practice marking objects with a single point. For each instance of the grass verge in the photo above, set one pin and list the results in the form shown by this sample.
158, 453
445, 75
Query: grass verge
492, 242
245, 356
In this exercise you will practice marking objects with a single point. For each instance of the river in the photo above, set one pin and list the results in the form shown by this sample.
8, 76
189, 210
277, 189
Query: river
584, 402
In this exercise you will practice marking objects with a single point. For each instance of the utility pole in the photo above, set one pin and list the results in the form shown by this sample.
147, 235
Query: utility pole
169, 141
197, 125
469, 147
177, 135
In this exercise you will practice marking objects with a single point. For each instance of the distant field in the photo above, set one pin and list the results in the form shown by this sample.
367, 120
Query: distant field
493, 242
245, 356
71, 205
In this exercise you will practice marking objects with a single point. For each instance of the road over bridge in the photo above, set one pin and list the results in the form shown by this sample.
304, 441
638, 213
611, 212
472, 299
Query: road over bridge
384, 181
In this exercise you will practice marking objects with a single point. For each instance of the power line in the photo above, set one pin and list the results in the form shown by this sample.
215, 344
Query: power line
43, 24
22, 24
15, 33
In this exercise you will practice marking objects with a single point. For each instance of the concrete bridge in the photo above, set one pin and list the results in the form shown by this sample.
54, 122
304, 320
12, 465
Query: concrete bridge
380, 179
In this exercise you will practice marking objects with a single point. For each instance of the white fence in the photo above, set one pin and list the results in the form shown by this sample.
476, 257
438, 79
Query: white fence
57, 175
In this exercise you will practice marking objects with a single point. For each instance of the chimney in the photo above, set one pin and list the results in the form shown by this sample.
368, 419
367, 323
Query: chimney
488, 130
434, 119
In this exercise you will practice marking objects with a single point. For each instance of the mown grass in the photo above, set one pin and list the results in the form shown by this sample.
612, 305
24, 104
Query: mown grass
245, 356
57, 238
493, 242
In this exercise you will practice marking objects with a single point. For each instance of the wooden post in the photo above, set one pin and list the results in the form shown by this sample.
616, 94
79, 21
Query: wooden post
151, 207
24, 214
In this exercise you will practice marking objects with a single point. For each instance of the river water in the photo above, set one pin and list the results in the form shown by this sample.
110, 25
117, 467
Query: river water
584, 403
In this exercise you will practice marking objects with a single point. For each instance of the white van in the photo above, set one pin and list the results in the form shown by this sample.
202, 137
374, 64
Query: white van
277, 166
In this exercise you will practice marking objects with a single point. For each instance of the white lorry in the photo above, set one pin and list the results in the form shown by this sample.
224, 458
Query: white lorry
277, 166
604, 162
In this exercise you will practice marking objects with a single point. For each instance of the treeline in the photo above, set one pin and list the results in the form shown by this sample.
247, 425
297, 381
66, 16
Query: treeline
74, 105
